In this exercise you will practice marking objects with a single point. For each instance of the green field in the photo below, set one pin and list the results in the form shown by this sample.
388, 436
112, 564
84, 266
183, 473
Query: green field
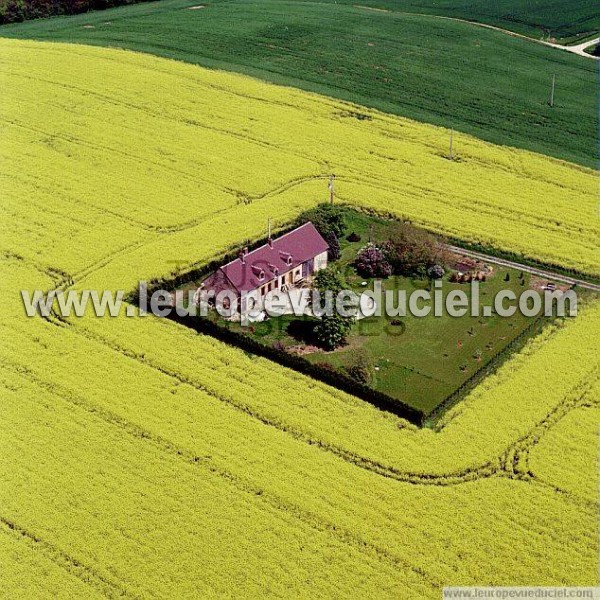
564, 21
593, 50
445, 72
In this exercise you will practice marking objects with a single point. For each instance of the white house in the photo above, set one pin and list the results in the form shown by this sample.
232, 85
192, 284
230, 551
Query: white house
280, 263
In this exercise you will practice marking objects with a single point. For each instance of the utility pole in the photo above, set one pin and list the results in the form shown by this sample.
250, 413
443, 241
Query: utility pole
552, 92
269, 228
450, 155
331, 188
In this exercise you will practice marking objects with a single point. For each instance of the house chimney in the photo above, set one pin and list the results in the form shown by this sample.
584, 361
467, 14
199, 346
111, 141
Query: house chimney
269, 235
243, 257
245, 250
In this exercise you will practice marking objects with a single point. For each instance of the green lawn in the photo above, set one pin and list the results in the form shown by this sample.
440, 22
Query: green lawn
593, 50
422, 361
429, 358
449, 73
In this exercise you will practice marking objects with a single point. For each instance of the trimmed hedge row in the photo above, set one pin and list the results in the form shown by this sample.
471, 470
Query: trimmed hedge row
333, 377
490, 367
297, 363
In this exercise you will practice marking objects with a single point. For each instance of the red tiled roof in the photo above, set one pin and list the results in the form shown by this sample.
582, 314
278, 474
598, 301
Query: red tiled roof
217, 282
302, 244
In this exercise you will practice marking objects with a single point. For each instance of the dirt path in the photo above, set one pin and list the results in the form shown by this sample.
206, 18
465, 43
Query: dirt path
527, 269
579, 49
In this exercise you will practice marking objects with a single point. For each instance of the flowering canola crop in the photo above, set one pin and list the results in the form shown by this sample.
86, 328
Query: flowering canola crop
141, 459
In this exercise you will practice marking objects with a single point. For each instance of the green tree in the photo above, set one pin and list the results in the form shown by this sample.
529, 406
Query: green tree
329, 279
331, 331
360, 366
327, 218
412, 251
335, 252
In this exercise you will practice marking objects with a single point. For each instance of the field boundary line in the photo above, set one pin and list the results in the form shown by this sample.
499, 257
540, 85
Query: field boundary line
495, 466
485, 470
577, 49
515, 461
72, 565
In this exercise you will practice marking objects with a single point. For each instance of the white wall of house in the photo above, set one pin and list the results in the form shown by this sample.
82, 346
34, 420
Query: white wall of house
246, 300
320, 261
296, 274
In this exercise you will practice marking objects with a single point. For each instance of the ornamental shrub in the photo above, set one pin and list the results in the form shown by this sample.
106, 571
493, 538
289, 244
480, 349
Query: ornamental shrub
372, 262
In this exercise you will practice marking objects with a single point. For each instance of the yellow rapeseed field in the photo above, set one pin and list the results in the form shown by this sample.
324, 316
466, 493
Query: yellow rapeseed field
141, 459
148, 150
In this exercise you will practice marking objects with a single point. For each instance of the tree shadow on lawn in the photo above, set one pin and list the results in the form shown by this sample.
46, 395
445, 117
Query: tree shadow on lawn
303, 330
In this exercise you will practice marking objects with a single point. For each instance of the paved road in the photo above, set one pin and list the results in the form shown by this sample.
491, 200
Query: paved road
527, 269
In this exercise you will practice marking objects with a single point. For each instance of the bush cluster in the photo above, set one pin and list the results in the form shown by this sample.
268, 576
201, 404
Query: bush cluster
406, 250
412, 251
371, 261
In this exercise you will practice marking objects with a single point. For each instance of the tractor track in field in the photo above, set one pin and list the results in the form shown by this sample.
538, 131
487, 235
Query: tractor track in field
158, 114
447, 479
479, 208
502, 465
499, 466
88, 575
308, 517
314, 521
578, 49
515, 460
173, 229
64, 281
